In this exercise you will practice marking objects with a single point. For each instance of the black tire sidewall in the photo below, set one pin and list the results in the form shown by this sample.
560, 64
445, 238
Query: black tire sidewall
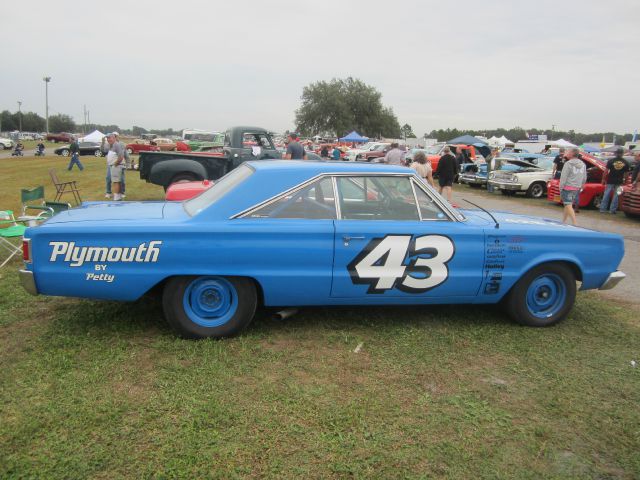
515, 302
172, 299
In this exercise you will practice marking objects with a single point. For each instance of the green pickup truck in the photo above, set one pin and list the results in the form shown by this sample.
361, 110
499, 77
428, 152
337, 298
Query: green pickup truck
240, 144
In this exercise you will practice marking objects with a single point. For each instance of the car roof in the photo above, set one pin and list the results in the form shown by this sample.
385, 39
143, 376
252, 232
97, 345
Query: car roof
313, 168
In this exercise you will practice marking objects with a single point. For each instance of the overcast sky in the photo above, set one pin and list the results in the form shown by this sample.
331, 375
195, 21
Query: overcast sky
210, 65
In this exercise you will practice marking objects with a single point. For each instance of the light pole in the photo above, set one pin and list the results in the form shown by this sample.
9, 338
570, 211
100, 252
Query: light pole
19, 116
46, 99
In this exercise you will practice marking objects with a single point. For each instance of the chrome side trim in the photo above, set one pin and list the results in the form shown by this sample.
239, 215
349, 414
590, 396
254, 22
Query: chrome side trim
612, 280
27, 281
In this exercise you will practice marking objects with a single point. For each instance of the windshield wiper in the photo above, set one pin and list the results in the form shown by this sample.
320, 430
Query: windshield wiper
485, 211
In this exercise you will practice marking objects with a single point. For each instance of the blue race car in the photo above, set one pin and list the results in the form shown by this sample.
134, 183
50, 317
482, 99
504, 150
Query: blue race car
295, 233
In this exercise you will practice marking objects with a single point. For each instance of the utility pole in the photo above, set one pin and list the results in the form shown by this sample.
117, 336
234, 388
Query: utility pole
84, 116
553, 130
20, 116
46, 99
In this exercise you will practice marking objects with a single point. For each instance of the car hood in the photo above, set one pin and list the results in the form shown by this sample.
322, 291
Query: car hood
511, 220
106, 211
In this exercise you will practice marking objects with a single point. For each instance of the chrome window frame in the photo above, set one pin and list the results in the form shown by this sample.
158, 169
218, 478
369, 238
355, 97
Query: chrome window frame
416, 182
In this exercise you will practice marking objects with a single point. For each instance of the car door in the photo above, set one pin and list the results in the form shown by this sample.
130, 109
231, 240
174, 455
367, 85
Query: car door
293, 237
395, 239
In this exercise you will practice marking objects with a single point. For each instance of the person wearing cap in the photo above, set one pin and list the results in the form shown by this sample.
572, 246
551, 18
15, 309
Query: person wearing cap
613, 178
558, 162
115, 161
295, 151
74, 148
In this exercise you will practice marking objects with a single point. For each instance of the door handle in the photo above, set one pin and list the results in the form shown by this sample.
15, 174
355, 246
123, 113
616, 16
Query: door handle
346, 239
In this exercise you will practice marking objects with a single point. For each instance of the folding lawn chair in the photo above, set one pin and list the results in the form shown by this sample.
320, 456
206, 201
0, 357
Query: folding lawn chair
46, 209
10, 230
65, 187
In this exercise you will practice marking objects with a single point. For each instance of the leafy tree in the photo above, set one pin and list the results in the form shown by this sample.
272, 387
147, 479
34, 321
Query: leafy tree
137, 131
32, 122
61, 123
7, 123
341, 105
407, 131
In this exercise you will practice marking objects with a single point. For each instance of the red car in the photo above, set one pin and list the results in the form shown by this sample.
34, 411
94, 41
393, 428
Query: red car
591, 195
180, 191
141, 146
629, 199
63, 137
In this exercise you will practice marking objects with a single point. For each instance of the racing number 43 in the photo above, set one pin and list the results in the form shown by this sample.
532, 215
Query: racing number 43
413, 265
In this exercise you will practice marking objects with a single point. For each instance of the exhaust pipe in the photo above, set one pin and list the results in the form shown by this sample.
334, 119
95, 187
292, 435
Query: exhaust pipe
285, 313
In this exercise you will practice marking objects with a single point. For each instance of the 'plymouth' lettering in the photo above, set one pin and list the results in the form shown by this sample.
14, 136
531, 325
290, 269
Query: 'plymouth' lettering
77, 256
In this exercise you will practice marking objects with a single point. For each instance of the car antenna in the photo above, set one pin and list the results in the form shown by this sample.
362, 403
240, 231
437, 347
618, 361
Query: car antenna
484, 210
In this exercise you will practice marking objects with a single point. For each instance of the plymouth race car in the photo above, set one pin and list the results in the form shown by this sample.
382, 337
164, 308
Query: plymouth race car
296, 233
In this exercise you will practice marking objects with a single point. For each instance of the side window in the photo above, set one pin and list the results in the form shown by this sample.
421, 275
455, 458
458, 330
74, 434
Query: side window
377, 198
429, 209
264, 142
315, 201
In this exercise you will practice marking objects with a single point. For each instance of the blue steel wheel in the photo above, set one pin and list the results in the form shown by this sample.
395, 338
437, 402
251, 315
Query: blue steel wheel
209, 306
543, 296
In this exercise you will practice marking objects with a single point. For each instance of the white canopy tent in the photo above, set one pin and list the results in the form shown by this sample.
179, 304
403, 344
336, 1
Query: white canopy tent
500, 141
561, 143
95, 136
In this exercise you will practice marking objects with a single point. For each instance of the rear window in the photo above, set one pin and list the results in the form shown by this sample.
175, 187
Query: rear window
223, 186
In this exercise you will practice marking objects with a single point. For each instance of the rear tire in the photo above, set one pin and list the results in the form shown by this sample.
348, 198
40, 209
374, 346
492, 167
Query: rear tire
209, 306
596, 201
97, 153
543, 296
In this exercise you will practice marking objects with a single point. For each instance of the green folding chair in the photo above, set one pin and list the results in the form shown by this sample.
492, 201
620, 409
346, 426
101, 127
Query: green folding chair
9, 231
46, 209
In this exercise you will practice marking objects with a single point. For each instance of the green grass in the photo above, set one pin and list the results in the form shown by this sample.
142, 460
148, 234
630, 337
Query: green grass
106, 390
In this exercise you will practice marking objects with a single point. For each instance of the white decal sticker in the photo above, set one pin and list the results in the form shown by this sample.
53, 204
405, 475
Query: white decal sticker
77, 256
396, 262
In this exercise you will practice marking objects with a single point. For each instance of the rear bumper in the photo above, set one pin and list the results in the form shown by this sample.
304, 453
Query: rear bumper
28, 282
612, 280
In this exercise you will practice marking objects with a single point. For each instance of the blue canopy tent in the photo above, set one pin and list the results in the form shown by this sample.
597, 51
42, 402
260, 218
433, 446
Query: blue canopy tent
590, 149
354, 137
466, 140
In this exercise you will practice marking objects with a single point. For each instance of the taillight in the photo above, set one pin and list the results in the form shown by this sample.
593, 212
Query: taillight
26, 250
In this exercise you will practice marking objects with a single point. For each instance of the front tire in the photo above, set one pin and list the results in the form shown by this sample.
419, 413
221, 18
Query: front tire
536, 190
543, 296
65, 153
596, 201
209, 306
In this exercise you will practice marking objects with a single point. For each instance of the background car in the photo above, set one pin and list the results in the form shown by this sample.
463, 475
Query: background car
522, 176
165, 144
591, 194
6, 143
139, 145
60, 137
86, 148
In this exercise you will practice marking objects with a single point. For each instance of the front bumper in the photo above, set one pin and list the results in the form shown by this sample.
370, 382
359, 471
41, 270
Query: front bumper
473, 179
505, 185
612, 280
28, 282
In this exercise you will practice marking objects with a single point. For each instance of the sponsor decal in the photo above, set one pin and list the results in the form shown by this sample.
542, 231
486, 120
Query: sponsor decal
76, 256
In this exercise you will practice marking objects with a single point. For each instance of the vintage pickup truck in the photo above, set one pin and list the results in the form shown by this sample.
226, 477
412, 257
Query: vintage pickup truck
240, 144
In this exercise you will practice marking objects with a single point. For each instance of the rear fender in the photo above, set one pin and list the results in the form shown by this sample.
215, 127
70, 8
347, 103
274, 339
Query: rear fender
161, 173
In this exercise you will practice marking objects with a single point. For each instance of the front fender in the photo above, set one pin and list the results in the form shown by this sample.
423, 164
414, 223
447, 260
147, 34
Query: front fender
162, 172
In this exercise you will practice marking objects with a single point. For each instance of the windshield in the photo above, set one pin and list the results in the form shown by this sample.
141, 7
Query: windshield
434, 149
219, 190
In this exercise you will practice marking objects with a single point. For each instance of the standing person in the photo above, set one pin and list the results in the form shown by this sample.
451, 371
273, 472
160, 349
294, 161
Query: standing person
104, 148
423, 167
324, 151
558, 162
636, 170
295, 151
336, 153
446, 172
394, 155
614, 175
491, 165
74, 148
572, 180
115, 160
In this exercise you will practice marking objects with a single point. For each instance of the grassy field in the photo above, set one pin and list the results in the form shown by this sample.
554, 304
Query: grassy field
94, 389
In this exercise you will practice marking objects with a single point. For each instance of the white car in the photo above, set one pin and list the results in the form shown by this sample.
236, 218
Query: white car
6, 143
522, 176
367, 147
